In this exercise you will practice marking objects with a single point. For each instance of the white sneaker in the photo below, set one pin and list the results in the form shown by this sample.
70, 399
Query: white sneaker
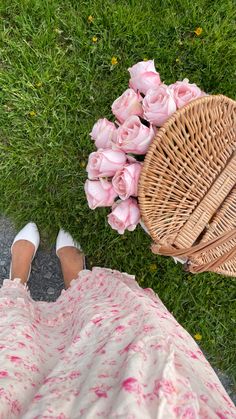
30, 233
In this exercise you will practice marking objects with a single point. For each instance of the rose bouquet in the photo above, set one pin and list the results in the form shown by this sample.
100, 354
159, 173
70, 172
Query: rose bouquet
114, 169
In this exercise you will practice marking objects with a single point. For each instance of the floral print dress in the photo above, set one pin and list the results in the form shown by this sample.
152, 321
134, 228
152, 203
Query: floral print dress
105, 349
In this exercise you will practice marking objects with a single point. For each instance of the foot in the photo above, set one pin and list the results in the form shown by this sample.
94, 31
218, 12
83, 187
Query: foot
72, 261
22, 255
23, 249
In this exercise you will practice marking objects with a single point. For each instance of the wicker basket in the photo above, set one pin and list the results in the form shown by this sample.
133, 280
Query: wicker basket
187, 189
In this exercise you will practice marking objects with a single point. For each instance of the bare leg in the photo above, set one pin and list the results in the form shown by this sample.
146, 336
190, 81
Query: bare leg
22, 254
71, 263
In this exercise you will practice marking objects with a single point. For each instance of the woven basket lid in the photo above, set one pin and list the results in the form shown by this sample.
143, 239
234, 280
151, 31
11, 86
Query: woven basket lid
187, 191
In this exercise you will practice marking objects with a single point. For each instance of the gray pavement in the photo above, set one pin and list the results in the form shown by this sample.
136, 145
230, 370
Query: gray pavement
46, 282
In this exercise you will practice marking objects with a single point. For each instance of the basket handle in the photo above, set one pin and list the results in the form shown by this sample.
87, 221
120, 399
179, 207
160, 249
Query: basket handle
208, 206
198, 249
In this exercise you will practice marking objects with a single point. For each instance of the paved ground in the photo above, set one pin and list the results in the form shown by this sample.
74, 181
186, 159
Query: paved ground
46, 281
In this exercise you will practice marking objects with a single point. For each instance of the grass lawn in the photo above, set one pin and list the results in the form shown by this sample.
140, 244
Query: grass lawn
55, 82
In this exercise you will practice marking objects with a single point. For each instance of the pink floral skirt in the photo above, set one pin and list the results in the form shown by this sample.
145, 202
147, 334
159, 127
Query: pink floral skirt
105, 349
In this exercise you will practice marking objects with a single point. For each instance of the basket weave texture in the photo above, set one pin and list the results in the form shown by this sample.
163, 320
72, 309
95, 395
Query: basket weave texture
187, 188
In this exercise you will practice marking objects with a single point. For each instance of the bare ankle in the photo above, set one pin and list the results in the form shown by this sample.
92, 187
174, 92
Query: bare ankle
22, 254
71, 260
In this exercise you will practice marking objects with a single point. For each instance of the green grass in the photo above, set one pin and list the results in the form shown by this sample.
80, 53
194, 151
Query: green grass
42, 157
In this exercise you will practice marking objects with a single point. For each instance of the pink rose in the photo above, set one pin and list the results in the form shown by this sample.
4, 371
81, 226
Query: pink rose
184, 92
125, 181
127, 104
133, 136
159, 104
144, 76
99, 193
103, 163
103, 132
124, 215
